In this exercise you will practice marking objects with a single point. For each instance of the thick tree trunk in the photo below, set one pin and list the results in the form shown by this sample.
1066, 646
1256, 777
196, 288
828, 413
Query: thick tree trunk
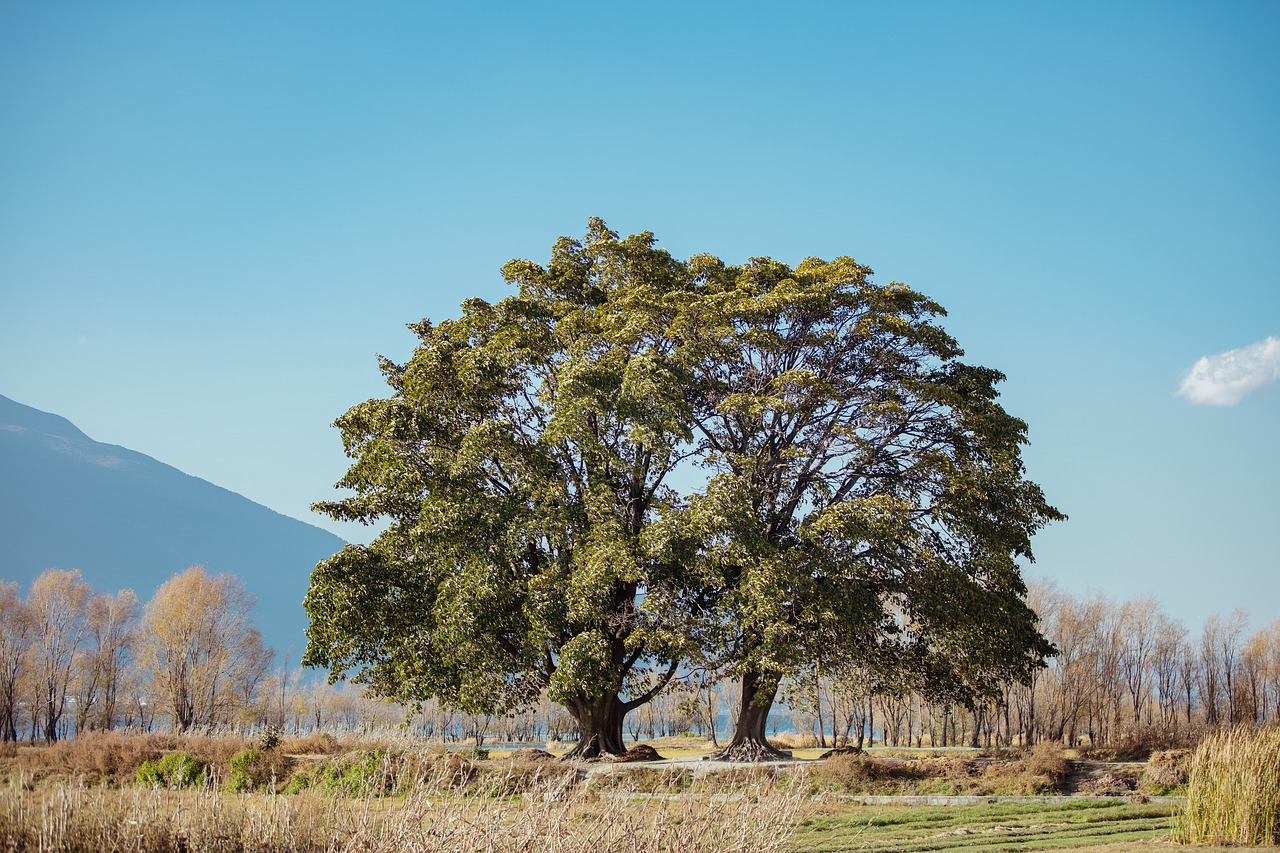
749, 742
599, 727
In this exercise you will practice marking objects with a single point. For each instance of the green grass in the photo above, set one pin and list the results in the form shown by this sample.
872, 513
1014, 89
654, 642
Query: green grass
990, 827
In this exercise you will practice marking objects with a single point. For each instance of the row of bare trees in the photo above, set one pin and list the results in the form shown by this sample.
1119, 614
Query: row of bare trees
1126, 673
73, 660
1127, 670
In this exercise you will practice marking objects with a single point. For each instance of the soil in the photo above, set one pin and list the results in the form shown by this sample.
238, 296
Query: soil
842, 750
1103, 778
640, 752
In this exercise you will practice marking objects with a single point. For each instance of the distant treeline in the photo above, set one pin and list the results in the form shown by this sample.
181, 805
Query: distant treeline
1126, 673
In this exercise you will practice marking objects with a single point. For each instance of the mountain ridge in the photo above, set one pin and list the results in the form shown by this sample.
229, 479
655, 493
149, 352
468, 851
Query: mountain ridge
129, 521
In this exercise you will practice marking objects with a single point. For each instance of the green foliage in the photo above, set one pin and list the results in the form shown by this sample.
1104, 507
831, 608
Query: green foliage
300, 781
864, 500
521, 461
174, 770
360, 774
866, 506
249, 770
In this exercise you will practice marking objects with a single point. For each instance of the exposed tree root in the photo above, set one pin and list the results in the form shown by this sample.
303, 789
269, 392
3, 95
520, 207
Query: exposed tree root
750, 750
593, 748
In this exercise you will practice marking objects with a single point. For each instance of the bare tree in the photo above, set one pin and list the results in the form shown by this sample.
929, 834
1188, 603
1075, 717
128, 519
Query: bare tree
15, 638
1139, 620
58, 605
201, 647
1271, 669
1210, 684
1230, 639
1252, 683
1191, 679
1167, 651
112, 627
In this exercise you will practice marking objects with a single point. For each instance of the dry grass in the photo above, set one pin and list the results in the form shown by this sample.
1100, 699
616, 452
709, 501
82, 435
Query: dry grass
554, 817
1166, 771
1233, 790
1041, 770
312, 744
113, 758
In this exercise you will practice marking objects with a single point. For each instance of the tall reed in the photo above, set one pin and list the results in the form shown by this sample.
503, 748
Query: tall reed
577, 819
1233, 790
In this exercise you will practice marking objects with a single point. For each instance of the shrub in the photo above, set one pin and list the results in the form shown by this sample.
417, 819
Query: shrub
449, 770
1233, 790
175, 770
846, 772
363, 774
643, 779
298, 782
1166, 771
517, 777
313, 744
255, 770
96, 756
1045, 760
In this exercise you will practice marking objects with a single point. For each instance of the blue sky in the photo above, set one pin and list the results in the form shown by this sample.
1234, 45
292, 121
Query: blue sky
212, 216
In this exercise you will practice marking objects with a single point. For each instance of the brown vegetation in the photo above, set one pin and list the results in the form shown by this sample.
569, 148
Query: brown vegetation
1233, 790
1040, 770
1128, 681
78, 819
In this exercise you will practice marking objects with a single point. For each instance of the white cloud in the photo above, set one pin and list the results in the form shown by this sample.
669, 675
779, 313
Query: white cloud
1224, 379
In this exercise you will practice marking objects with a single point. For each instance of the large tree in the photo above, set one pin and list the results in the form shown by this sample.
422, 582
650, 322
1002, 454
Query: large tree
850, 489
521, 462
867, 502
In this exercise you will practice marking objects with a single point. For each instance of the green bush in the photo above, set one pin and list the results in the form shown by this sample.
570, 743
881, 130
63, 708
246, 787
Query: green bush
360, 774
298, 782
175, 770
250, 770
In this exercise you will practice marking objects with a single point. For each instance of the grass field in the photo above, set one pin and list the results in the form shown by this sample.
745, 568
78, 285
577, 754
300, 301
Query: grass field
315, 793
827, 827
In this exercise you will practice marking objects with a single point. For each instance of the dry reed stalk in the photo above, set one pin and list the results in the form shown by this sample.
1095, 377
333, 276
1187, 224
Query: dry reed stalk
1233, 790
555, 818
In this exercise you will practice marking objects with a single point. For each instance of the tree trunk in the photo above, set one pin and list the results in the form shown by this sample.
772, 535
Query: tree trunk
1029, 738
817, 701
749, 742
599, 727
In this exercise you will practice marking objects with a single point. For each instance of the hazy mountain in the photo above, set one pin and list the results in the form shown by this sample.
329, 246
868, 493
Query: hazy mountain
128, 521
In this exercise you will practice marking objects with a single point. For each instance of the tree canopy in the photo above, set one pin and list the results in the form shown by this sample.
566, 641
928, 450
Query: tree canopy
636, 461
522, 461
866, 499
